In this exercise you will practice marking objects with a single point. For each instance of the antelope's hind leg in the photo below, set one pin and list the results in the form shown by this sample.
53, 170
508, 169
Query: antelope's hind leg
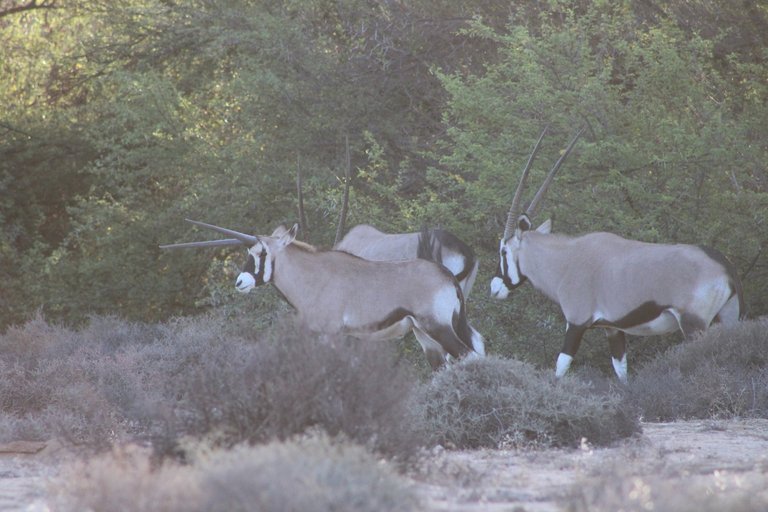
691, 325
730, 313
432, 349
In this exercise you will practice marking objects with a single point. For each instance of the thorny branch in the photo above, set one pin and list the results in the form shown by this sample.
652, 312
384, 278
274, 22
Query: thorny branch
8, 8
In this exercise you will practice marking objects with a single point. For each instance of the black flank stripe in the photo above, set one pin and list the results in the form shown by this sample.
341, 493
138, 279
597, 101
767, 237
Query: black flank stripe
392, 318
643, 314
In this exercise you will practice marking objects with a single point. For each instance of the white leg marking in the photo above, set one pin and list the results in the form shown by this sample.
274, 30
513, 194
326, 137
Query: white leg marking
563, 363
478, 343
620, 367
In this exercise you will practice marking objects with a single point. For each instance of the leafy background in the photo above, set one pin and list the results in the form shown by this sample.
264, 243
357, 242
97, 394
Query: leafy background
119, 119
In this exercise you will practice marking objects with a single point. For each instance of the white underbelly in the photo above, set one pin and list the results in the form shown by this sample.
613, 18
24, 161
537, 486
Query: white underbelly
662, 324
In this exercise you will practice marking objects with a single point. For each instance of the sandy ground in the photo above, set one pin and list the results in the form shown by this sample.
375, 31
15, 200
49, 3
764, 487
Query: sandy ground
681, 453
507, 480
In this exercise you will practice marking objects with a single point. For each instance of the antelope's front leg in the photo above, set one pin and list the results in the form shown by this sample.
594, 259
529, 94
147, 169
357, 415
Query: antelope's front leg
573, 335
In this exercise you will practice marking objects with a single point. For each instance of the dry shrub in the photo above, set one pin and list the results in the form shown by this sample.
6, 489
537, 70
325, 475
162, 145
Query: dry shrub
494, 402
121, 381
308, 474
126, 479
311, 474
47, 386
290, 380
721, 374
621, 486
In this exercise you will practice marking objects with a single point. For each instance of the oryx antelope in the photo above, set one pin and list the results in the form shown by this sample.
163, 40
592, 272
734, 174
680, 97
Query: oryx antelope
367, 242
336, 292
446, 248
604, 280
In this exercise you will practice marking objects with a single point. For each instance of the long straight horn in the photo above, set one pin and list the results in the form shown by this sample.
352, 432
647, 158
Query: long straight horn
242, 237
535, 202
514, 210
208, 243
345, 201
303, 226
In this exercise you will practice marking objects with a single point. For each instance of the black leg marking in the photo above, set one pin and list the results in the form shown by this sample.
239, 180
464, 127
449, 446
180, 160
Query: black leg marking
573, 339
644, 313
450, 342
617, 343
391, 319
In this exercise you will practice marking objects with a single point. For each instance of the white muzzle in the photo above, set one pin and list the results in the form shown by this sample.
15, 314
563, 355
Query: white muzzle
498, 289
245, 282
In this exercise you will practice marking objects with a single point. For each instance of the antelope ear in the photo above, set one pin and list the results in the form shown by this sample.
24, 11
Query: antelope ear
289, 235
279, 231
545, 227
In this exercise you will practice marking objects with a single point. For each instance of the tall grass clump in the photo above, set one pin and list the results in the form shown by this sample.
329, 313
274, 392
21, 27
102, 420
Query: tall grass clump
721, 374
115, 381
311, 473
494, 402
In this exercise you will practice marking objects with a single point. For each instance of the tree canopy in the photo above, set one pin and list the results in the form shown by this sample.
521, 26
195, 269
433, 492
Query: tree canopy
120, 119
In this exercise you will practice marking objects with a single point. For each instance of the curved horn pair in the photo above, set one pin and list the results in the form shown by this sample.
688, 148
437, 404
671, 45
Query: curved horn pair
514, 210
239, 238
533, 208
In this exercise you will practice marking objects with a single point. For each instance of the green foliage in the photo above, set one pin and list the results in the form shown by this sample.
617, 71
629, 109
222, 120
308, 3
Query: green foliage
669, 154
119, 120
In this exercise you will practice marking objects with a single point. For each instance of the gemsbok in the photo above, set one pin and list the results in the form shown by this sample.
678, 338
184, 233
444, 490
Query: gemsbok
367, 242
445, 248
336, 292
604, 280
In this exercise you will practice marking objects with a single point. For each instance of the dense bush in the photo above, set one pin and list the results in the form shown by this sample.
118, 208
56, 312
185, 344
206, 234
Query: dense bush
290, 380
307, 474
119, 381
721, 374
492, 402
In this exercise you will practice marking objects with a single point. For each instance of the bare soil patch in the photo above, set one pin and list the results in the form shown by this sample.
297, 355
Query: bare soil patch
709, 453
548, 480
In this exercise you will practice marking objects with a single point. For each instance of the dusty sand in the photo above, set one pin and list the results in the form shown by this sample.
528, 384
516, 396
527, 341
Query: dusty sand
508, 480
544, 481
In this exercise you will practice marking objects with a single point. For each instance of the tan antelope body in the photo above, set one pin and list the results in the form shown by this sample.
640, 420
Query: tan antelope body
443, 246
336, 292
625, 286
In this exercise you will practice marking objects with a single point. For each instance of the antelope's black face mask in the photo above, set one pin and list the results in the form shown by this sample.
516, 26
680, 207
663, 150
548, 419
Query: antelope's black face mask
508, 275
257, 270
